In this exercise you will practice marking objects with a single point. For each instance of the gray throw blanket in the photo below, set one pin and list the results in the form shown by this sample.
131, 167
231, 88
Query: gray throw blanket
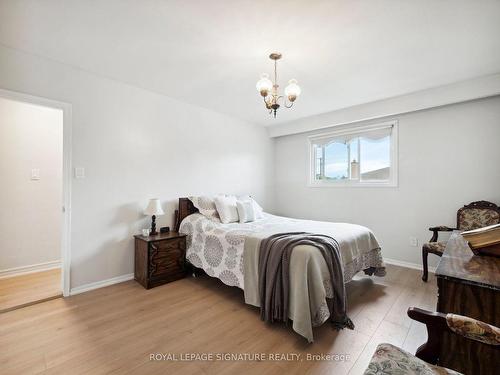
274, 281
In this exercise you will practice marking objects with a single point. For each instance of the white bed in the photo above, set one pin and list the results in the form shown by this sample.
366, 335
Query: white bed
218, 248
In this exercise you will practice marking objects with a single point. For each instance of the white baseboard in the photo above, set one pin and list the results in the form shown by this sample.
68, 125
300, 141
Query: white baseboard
411, 265
17, 271
101, 284
130, 276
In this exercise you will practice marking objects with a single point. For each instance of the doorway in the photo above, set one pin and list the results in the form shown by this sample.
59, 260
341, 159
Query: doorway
35, 199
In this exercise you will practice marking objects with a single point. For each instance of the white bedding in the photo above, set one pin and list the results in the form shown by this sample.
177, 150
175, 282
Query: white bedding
218, 248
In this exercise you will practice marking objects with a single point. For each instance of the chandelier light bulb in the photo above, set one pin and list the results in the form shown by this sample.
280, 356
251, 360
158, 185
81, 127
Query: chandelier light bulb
292, 91
264, 85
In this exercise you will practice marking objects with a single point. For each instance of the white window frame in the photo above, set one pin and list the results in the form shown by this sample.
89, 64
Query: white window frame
393, 176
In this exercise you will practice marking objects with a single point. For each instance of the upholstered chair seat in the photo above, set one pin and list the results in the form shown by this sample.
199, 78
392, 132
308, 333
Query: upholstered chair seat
435, 247
391, 360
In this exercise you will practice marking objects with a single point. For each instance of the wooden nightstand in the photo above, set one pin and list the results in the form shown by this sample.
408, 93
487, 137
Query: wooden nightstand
159, 259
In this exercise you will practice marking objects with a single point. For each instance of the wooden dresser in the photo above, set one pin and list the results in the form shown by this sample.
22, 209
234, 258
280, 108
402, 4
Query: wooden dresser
159, 259
468, 285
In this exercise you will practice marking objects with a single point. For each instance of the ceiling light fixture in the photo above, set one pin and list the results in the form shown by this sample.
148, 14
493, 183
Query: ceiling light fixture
270, 93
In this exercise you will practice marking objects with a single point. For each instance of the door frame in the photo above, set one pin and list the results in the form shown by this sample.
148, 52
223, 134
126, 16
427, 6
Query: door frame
66, 198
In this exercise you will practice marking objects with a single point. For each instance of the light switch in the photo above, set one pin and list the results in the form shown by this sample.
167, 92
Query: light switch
79, 172
35, 174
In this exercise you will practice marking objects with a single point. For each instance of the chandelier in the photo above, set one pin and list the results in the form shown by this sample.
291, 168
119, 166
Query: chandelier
269, 90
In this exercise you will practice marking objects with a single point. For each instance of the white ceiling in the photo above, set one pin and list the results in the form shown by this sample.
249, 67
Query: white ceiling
211, 52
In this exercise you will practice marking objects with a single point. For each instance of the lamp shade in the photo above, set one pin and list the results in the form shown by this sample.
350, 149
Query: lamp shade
292, 89
264, 85
154, 208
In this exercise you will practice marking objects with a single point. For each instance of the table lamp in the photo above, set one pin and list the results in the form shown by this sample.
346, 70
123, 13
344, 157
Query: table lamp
153, 209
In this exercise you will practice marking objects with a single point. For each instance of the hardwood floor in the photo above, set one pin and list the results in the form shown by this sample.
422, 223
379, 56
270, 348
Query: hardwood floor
25, 290
114, 330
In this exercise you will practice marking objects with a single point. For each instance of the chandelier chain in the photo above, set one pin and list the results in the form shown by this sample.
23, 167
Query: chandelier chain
275, 72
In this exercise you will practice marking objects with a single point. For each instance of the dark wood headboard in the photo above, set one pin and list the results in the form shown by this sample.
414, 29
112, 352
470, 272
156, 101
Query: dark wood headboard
186, 208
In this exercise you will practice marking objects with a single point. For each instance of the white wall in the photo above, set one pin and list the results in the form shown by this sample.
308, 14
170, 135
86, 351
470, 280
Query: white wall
448, 157
137, 145
30, 214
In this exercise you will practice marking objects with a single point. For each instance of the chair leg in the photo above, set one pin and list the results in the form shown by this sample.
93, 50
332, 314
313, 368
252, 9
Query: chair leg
424, 263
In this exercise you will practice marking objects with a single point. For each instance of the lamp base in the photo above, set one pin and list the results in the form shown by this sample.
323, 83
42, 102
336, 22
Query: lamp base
153, 231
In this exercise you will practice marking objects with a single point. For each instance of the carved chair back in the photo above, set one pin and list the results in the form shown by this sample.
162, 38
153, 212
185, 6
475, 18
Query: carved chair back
477, 214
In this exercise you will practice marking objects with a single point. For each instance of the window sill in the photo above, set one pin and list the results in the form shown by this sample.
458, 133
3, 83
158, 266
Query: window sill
348, 184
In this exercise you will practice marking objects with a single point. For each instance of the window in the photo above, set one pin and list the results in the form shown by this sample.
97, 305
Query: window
363, 156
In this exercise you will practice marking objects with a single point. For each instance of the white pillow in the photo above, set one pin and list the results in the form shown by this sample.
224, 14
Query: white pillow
246, 211
206, 207
258, 210
226, 207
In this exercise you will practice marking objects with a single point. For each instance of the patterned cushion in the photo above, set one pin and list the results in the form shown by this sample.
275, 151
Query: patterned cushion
473, 218
390, 360
437, 247
473, 329
206, 206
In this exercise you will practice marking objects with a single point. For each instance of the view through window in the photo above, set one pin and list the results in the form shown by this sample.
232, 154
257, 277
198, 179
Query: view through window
362, 155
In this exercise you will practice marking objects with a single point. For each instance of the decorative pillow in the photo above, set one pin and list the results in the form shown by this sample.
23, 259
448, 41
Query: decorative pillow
246, 211
206, 206
258, 210
226, 207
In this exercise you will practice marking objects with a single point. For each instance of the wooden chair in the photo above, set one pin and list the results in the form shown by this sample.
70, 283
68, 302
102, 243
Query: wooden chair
471, 216
389, 359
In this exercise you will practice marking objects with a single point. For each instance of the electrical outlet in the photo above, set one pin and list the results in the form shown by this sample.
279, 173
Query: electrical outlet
414, 241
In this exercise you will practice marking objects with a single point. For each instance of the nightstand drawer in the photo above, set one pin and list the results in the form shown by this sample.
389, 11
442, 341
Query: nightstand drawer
171, 261
162, 247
